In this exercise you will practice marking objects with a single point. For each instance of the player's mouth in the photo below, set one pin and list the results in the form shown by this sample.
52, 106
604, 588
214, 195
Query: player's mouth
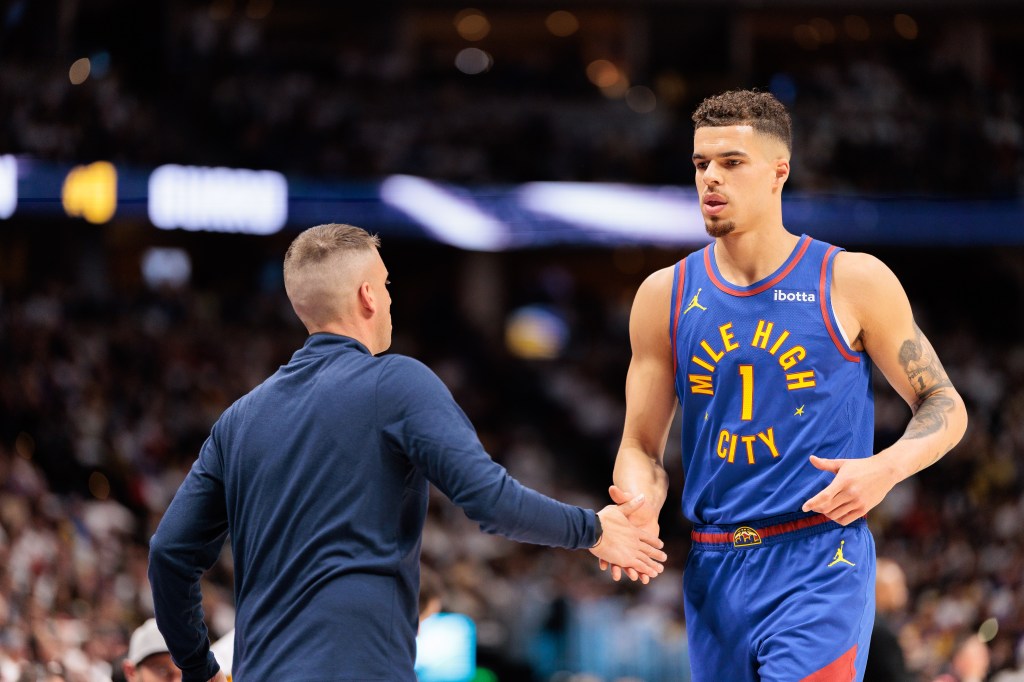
714, 204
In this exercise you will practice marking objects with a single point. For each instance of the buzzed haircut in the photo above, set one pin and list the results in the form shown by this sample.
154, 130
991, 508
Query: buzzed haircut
316, 244
760, 110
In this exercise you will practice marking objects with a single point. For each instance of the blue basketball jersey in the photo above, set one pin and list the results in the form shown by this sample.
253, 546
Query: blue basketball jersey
765, 379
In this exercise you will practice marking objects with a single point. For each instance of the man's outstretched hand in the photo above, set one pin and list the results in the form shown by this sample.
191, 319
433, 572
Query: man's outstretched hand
644, 517
626, 545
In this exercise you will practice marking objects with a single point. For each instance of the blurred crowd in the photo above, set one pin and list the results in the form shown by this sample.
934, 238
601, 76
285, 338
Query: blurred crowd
106, 396
328, 91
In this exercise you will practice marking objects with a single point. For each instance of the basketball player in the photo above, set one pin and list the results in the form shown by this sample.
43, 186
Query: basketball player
320, 476
767, 340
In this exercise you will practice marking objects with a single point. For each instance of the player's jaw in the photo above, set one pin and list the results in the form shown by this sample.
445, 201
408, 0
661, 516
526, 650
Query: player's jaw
719, 228
384, 332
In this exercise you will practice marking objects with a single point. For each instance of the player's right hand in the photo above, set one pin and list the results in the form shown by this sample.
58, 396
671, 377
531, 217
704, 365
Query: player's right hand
624, 544
643, 516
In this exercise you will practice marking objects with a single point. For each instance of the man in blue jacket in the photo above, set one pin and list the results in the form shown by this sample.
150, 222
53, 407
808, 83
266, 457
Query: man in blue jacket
320, 476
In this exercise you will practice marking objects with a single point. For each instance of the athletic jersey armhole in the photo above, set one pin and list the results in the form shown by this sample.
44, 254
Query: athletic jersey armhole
827, 312
678, 278
839, 325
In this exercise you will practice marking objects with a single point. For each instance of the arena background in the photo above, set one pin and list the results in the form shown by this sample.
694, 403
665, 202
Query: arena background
526, 165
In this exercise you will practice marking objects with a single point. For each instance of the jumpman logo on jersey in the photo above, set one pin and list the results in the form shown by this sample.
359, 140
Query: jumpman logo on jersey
839, 558
694, 303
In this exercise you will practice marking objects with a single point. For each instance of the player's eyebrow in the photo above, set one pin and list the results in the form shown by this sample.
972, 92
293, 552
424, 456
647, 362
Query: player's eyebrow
697, 156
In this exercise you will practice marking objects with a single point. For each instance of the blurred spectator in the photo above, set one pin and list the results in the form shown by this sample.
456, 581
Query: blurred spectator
970, 662
148, 659
886, 662
431, 593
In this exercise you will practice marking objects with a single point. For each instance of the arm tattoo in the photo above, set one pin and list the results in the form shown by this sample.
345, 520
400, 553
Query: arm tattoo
928, 378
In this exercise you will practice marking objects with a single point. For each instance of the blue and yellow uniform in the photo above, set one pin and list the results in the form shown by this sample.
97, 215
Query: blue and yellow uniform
765, 379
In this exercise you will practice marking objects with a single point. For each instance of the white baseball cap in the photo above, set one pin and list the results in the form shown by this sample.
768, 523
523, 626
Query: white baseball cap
146, 641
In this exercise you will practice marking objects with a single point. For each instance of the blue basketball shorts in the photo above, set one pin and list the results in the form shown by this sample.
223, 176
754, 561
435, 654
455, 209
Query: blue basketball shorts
790, 598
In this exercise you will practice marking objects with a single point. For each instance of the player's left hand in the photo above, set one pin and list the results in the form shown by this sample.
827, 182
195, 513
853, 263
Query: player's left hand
859, 485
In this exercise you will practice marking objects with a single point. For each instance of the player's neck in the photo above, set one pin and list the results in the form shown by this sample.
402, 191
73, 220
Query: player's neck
747, 257
360, 333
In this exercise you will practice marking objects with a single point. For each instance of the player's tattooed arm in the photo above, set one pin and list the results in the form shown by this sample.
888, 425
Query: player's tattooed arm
934, 406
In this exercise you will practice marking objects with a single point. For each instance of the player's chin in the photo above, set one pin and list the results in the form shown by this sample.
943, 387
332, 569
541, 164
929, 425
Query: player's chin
718, 228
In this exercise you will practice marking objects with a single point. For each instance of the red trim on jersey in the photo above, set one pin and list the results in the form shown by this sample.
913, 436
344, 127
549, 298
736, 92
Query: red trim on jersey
767, 285
767, 532
843, 669
679, 305
824, 296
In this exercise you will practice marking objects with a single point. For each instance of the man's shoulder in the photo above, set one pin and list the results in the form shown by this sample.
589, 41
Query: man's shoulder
861, 266
405, 384
864, 280
660, 279
399, 362
653, 297
402, 370
656, 287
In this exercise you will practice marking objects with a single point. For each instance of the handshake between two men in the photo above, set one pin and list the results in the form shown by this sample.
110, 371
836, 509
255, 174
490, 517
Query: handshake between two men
629, 542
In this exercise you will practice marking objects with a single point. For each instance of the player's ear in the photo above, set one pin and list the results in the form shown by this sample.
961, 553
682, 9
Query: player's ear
781, 172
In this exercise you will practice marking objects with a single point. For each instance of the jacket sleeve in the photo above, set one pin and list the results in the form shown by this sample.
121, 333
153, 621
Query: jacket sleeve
421, 421
186, 544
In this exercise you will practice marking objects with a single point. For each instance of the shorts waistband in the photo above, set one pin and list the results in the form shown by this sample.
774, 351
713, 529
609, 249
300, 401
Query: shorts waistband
767, 531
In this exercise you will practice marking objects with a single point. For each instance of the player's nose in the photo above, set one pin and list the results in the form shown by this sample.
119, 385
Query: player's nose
711, 175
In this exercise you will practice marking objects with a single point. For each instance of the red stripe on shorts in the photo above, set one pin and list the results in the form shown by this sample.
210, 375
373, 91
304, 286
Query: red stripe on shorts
843, 669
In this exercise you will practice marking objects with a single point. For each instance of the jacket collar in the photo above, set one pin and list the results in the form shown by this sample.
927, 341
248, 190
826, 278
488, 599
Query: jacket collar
325, 342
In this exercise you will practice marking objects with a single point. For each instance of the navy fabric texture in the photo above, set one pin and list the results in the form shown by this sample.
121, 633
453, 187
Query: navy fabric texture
320, 477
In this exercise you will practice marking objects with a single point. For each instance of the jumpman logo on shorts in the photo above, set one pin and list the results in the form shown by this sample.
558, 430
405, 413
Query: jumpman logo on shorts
839, 558
694, 303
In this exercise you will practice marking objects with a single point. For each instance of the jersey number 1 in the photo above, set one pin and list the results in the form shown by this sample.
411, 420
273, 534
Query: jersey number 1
747, 408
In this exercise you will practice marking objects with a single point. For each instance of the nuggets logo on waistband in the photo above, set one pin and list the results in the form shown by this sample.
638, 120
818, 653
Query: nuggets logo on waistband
745, 536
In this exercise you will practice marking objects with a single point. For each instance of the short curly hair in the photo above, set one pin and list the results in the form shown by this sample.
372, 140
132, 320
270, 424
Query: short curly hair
760, 110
